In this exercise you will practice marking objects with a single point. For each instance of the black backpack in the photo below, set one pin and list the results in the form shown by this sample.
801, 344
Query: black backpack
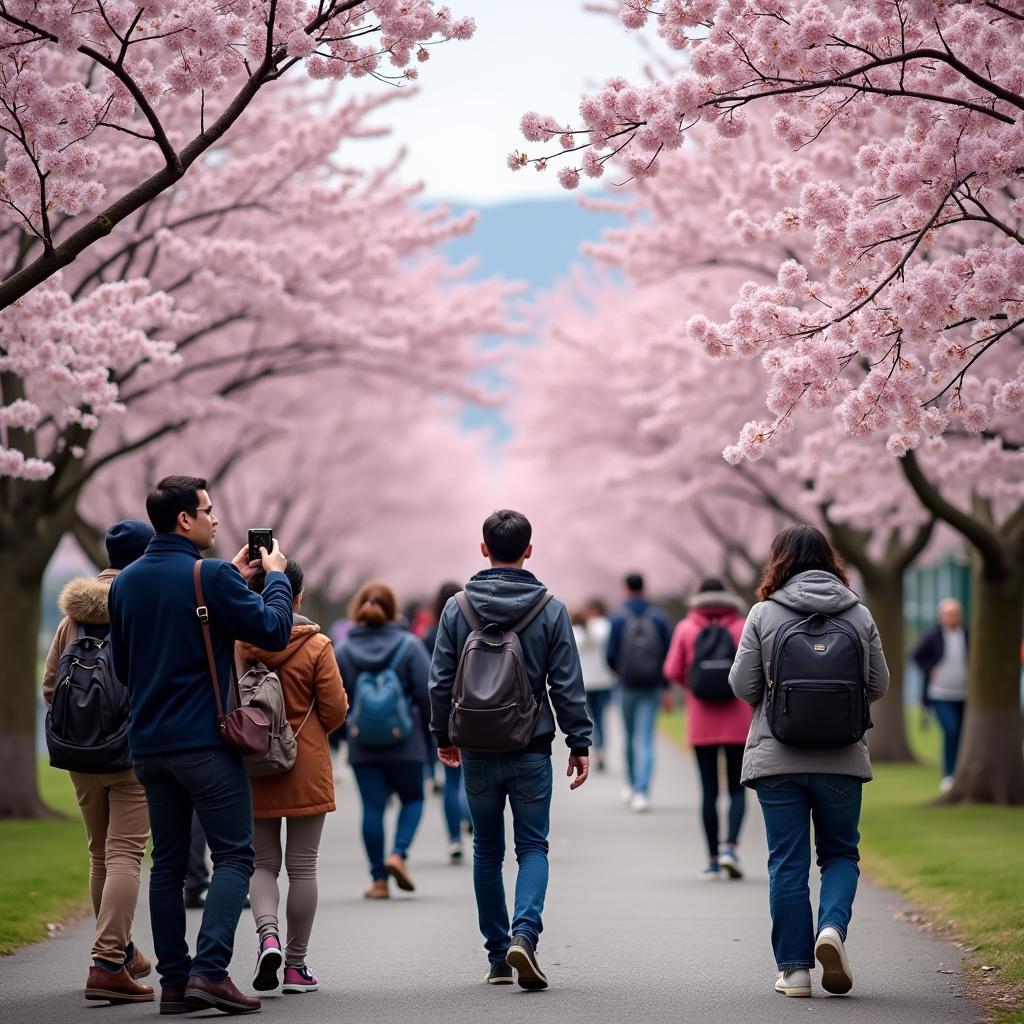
87, 722
494, 708
713, 655
641, 652
817, 694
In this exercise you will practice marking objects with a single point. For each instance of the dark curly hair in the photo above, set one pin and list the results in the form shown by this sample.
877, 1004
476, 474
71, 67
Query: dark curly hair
799, 549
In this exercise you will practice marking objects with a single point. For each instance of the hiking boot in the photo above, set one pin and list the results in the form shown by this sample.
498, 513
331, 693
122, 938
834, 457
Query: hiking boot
299, 979
796, 984
268, 963
378, 890
205, 994
500, 974
399, 872
115, 986
830, 952
139, 966
522, 958
729, 862
172, 1000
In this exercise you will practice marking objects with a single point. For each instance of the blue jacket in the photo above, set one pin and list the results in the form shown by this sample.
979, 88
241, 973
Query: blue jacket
157, 643
504, 596
371, 648
636, 606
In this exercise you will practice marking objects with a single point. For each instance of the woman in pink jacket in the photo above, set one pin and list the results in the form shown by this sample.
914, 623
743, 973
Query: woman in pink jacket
699, 658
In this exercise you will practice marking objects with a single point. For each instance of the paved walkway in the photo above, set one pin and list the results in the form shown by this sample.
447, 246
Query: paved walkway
631, 935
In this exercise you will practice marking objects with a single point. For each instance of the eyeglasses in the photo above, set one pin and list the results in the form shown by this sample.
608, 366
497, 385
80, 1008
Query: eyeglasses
208, 511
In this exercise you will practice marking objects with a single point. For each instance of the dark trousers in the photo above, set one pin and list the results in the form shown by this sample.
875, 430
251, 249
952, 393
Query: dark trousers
197, 878
597, 705
376, 783
708, 764
950, 714
215, 785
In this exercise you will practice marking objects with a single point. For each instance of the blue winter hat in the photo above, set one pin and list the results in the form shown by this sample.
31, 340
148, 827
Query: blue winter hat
127, 541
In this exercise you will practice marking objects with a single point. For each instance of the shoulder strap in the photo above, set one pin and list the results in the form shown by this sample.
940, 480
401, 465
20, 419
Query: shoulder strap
538, 607
203, 614
396, 655
468, 611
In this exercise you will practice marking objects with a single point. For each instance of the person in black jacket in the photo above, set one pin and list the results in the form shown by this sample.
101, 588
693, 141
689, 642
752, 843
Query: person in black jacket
156, 641
374, 643
503, 595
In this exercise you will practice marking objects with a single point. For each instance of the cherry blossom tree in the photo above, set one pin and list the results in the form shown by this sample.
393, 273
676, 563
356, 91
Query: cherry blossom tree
272, 267
152, 87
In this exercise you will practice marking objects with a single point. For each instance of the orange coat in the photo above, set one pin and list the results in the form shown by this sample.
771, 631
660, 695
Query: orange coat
307, 668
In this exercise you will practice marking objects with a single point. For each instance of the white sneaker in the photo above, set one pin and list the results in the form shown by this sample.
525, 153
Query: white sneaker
639, 804
729, 862
455, 853
946, 784
795, 984
829, 951
626, 794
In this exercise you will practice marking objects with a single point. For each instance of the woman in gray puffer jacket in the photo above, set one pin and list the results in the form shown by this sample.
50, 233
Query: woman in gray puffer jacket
805, 576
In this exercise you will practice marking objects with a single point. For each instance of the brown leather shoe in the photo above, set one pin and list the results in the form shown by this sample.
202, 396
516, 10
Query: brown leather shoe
378, 890
140, 966
172, 1000
204, 993
119, 987
399, 872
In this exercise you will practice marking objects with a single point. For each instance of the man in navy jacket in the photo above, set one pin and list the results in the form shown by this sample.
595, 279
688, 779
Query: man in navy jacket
158, 651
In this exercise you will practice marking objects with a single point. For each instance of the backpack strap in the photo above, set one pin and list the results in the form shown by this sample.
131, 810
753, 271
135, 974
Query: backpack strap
468, 611
203, 614
538, 607
397, 654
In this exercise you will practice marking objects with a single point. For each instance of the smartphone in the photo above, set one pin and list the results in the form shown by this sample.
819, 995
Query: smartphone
259, 539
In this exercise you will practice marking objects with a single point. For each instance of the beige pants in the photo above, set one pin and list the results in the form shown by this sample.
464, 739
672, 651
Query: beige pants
300, 855
117, 824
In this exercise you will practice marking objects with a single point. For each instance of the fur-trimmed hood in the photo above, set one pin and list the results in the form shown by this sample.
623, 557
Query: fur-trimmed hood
718, 599
84, 599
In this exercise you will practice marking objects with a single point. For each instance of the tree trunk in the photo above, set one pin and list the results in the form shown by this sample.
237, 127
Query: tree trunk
884, 598
990, 765
19, 636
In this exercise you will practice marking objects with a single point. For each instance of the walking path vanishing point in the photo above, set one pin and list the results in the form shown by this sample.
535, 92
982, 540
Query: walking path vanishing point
631, 934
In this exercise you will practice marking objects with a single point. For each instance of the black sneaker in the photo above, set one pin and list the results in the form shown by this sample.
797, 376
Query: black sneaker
522, 958
500, 974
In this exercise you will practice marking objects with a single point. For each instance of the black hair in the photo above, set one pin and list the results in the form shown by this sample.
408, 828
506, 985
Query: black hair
710, 585
172, 496
444, 592
507, 535
634, 583
292, 570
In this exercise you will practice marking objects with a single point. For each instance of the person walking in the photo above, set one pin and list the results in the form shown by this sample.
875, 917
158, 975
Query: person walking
162, 653
456, 808
505, 638
700, 658
385, 670
941, 655
110, 797
591, 629
809, 662
637, 646
315, 705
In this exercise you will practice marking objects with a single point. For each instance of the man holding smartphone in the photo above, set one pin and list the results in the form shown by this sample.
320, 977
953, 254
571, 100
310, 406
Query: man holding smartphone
173, 732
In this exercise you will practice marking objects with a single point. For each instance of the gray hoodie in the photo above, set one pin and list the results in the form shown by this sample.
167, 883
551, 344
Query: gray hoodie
807, 592
504, 596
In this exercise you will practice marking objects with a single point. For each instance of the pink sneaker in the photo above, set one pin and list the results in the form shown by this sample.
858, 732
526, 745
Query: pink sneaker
299, 979
268, 963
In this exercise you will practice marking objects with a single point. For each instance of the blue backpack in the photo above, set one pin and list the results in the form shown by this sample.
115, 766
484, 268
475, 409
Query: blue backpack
380, 715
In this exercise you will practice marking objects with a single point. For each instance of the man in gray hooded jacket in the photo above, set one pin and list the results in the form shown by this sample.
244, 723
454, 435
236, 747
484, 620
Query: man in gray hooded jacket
503, 595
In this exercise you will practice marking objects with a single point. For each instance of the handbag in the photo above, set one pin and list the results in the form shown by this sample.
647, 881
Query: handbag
246, 729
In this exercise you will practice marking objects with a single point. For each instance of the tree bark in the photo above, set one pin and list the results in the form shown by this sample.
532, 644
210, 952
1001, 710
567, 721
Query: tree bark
990, 765
884, 598
19, 632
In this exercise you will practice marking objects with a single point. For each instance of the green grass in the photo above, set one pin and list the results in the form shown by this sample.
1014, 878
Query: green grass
46, 867
962, 866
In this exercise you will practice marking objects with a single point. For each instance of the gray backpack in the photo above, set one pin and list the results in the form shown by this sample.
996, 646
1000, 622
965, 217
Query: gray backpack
260, 687
641, 653
494, 708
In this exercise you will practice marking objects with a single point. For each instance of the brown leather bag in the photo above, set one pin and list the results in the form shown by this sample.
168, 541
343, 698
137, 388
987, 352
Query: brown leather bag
246, 729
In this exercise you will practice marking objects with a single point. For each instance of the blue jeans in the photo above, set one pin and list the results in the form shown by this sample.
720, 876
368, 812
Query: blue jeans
639, 710
376, 784
789, 804
597, 705
950, 714
456, 809
215, 784
525, 779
